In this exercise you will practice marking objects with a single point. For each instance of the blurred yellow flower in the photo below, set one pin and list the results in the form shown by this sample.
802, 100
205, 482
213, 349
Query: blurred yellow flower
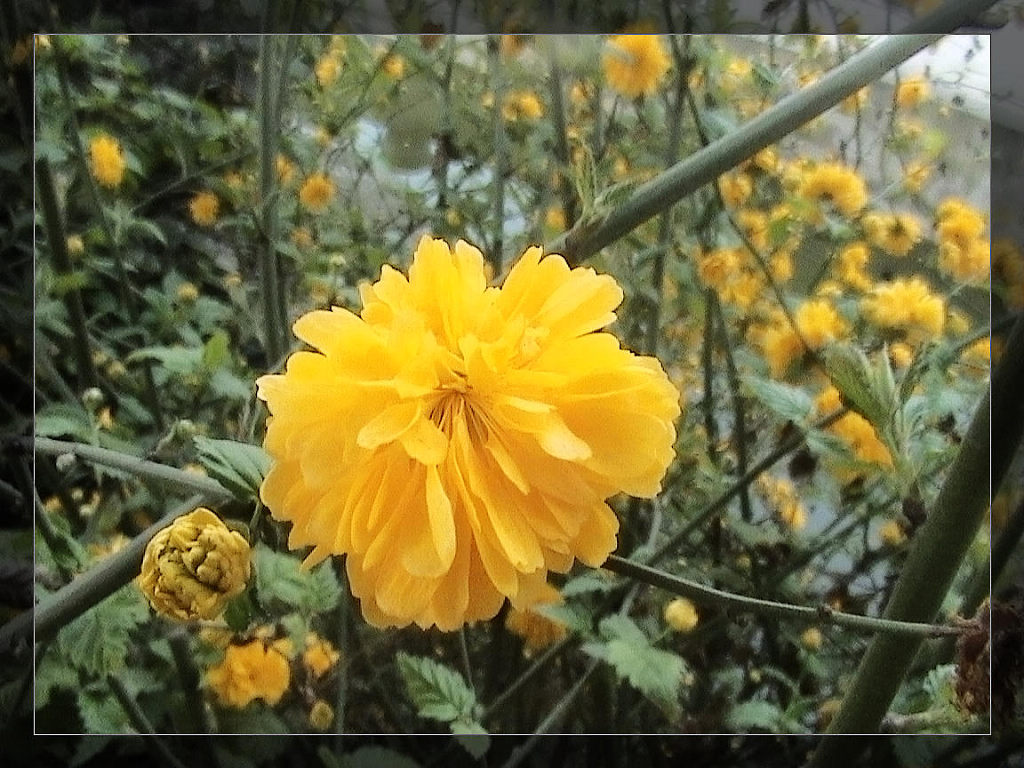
837, 184
471, 436
393, 65
896, 233
321, 715
187, 292
818, 323
554, 218
523, 105
907, 304
193, 567
811, 638
316, 192
536, 630
964, 251
75, 245
892, 534
106, 160
327, 69
781, 266
780, 494
204, 207
248, 672
915, 175
634, 65
285, 169
901, 354
735, 188
854, 429
681, 614
856, 100
319, 657
302, 237
912, 92
853, 261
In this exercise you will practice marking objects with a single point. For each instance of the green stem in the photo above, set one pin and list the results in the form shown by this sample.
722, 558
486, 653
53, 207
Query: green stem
938, 549
275, 335
526, 676
189, 676
823, 615
141, 723
770, 126
142, 467
55, 234
500, 151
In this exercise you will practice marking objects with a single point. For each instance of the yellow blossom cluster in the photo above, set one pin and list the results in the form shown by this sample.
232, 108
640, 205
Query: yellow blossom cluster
854, 429
780, 494
316, 192
194, 566
963, 244
736, 188
906, 304
204, 208
254, 670
852, 266
896, 233
817, 322
328, 66
912, 91
634, 65
471, 436
837, 184
106, 161
522, 105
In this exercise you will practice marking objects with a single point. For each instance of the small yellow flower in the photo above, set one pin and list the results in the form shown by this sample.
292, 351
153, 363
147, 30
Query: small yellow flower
319, 657
717, 267
892, 534
327, 69
75, 245
811, 639
105, 418
837, 184
234, 180
912, 92
907, 304
554, 218
781, 266
323, 136
781, 496
285, 169
248, 672
735, 188
681, 614
321, 715
316, 192
106, 161
302, 237
193, 567
854, 429
901, 354
856, 100
896, 233
204, 207
522, 105
232, 280
915, 175
393, 66
853, 260
634, 65
187, 292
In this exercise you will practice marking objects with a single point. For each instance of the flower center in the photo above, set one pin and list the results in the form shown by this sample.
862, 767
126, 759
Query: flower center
456, 401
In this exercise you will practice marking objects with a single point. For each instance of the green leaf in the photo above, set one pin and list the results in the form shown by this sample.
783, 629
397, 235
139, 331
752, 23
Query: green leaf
53, 673
226, 384
216, 350
67, 282
585, 178
239, 612
239, 467
472, 737
280, 578
657, 674
101, 712
437, 691
179, 360
98, 641
63, 419
869, 389
753, 714
791, 403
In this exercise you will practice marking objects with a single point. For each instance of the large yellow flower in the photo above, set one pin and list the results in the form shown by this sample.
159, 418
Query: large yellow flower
634, 65
456, 441
106, 160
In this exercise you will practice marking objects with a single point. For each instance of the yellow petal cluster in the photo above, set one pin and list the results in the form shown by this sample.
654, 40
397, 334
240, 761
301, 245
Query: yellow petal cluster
896, 233
251, 671
817, 324
320, 656
837, 184
204, 207
735, 188
963, 244
906, 304
912, 92
106, 160
634, 65
328, 68
681, 614
457, 441
852, 265
522, 105
854, 429
194, 566
316, 192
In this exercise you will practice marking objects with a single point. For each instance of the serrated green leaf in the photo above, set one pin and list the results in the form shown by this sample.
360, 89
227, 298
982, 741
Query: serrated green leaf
281, 579
657, 674
53, 673
585, 177
791, 403
98, 641
863, 387
753, 714
437, 691
239, 467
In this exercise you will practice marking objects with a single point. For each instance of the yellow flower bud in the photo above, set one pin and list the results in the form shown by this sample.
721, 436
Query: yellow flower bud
321, 715
811, 638
319, 656
193, 567
681, 615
